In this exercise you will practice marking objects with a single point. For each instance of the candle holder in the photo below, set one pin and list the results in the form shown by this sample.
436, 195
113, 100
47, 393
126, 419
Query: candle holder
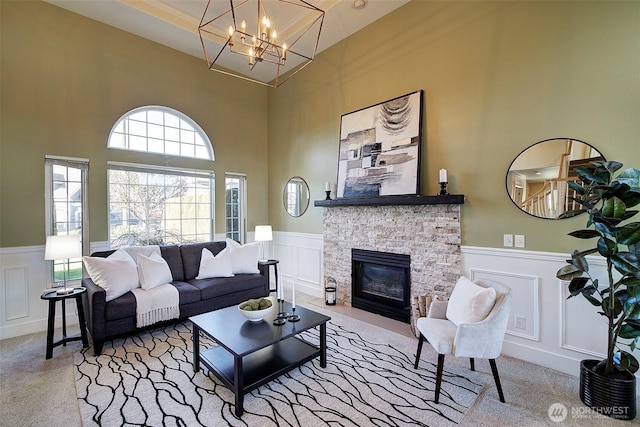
328, 193
294, 317
443, 189
281, 317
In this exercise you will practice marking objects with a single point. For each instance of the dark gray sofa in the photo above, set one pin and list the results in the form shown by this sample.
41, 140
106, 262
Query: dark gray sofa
107, 320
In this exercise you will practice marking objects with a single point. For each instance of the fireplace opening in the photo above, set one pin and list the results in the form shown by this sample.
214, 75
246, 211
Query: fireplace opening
381, 283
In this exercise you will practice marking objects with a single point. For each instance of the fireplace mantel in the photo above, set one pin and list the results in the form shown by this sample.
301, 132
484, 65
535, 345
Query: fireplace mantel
448, 199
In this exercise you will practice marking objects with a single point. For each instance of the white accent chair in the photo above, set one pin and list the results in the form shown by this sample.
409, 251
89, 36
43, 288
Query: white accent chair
477, 339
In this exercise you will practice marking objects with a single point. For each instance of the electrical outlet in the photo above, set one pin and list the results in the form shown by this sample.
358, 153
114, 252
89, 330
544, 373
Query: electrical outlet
507, 240
521, 322
519, 240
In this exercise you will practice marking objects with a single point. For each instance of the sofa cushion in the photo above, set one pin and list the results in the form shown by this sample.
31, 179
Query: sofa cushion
121, 307
117, 274
191, 255
215, 265
188, 293
153, 271
244, 258
171, 254
212, 288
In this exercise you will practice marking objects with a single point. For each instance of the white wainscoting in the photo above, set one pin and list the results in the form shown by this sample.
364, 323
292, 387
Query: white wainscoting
557, 332
300, 257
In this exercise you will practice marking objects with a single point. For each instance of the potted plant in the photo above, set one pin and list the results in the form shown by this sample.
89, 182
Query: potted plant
608, 385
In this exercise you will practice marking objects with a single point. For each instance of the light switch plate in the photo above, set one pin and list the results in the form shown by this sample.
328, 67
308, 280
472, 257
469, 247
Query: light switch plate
507, 240
519, 240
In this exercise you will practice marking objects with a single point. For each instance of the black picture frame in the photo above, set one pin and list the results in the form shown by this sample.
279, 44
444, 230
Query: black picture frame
379, 150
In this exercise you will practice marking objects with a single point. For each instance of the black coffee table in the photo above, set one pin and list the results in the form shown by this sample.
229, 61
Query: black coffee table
251, 354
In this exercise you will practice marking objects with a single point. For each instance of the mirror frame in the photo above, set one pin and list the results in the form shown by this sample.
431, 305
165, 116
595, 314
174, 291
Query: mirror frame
556, 184
304, 204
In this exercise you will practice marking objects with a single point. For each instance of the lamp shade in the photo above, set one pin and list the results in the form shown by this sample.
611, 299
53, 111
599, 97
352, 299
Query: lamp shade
62, 247
263, 233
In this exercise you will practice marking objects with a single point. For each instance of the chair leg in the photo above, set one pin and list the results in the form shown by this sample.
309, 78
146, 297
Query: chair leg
420, 342
439, 376
473, 364
496, 377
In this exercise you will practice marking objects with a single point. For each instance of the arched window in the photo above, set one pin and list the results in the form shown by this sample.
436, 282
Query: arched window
157, 204
160, 130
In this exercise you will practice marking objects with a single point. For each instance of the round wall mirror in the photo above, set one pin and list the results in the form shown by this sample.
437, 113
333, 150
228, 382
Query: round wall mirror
296, 196
537, 180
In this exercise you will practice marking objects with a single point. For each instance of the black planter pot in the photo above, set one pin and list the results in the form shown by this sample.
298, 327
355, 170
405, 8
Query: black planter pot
613, 397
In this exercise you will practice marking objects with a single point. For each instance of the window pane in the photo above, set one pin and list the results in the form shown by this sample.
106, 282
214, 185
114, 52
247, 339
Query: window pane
137, 128
172, 134
156, 208
155, 116
156, 131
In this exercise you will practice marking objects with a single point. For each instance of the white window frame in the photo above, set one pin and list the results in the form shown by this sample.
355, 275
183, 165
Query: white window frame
242, 204
193, 173
160, 130
50, 211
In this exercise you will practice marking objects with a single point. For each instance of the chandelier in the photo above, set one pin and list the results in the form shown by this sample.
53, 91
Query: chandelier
263, 41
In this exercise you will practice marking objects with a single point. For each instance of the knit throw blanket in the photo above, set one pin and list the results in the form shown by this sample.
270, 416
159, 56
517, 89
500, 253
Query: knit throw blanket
156, 304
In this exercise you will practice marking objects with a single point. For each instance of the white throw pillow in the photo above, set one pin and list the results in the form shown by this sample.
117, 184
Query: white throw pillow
215, 265
469, 303
153, 271
116, 274
244, 258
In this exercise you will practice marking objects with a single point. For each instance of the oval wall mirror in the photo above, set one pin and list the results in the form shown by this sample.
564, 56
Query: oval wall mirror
537, 178
296, 196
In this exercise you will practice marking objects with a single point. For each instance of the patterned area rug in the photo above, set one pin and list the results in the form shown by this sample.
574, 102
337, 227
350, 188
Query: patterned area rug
148, 379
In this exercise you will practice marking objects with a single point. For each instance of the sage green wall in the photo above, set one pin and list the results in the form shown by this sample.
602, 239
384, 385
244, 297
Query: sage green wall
497, 77
66, 79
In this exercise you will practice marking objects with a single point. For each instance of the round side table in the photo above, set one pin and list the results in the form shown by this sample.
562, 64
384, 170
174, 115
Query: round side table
274, 263
54, 297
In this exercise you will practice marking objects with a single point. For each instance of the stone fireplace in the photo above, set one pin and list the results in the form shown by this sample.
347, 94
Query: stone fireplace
428, 231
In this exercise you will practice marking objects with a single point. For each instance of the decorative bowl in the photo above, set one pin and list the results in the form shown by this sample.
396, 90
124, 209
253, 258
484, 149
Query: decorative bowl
257, 315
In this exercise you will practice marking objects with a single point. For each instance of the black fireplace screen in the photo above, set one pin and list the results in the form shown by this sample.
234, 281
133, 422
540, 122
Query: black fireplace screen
381, 283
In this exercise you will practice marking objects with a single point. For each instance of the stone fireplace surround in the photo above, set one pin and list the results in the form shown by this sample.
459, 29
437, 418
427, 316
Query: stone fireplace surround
427, 228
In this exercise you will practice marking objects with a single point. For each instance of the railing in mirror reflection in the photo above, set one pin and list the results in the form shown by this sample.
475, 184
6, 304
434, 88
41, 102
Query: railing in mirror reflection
537, 180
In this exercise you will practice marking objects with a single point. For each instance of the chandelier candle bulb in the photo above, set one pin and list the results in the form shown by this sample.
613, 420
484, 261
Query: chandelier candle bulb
443, 175
327, 186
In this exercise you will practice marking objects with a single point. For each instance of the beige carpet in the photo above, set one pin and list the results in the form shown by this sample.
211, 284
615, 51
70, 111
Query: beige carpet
39, 392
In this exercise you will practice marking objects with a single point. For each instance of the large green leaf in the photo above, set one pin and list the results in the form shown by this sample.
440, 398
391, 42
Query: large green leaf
626, 263
585, 234
576, 187
613, 208
606, 247
596, 175
611, 165
633, 324
577, 285
568, 272
629, 234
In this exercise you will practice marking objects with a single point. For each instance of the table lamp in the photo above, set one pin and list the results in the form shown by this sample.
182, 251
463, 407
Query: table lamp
63, 248
263, 234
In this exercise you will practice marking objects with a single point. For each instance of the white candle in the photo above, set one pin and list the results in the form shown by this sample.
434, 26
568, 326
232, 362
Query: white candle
443, 175
327, 186
293, 295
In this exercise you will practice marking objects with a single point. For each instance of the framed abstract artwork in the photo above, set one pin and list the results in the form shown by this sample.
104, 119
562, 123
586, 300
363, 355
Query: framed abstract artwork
379, 151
